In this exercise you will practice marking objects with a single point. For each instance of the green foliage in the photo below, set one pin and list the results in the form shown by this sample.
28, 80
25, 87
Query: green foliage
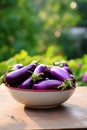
18, 27
35, 25
79, 67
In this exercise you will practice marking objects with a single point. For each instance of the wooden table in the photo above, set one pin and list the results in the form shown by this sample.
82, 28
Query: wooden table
70, 115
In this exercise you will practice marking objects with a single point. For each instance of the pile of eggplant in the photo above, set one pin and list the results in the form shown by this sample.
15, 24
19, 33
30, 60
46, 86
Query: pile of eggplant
39, 76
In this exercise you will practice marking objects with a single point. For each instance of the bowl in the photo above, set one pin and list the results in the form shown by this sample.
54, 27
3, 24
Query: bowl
40, 98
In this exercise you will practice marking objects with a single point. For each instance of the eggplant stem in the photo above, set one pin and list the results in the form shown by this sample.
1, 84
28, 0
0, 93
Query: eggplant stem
35, 62
36, 77
67, 83
58, 64
30, 71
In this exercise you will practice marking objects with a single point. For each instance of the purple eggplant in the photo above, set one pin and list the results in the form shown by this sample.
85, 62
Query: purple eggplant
39, 72
27, 84
17, 66
62, 75
59, 73
18, 76
65, 64
47, 85
47, 75
71, 74
67, 69
40, 69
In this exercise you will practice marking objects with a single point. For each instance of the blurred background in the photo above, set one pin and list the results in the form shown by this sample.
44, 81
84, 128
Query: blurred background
41, 25
54, 28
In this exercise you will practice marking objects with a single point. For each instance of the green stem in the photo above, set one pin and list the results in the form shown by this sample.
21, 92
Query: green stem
58, 64
36, 77
66, 84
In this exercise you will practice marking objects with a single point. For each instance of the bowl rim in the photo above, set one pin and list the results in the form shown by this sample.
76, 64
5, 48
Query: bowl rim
31, 90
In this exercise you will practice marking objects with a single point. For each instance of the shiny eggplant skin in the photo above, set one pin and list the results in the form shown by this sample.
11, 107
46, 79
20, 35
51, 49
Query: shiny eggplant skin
27, 84
18, 76
59, 73
47, 85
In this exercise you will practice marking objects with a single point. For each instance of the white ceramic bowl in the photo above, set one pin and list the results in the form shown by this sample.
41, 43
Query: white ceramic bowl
40, 98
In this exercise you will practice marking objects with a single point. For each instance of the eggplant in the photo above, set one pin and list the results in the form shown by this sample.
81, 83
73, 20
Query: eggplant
18, 76
39, 72
13, 68
67, 69
47, 75
65, 64
40, 69
62, 75
27, 84
71, 74
17, 66
59, 73
47, 85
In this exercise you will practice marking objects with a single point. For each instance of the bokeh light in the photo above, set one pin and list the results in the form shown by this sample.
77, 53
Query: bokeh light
73, 5
57, 34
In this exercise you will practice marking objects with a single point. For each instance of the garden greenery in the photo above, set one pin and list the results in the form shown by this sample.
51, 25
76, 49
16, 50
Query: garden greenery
34, 25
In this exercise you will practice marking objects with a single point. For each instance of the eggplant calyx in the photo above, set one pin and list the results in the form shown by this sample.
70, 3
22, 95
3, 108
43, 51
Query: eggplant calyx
35, 62
36, 77
58, 64
68, 83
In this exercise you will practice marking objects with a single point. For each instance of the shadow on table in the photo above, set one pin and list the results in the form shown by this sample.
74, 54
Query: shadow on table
64, 116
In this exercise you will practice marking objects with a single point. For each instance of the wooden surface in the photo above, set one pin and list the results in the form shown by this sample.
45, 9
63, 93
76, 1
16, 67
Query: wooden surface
71, 115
